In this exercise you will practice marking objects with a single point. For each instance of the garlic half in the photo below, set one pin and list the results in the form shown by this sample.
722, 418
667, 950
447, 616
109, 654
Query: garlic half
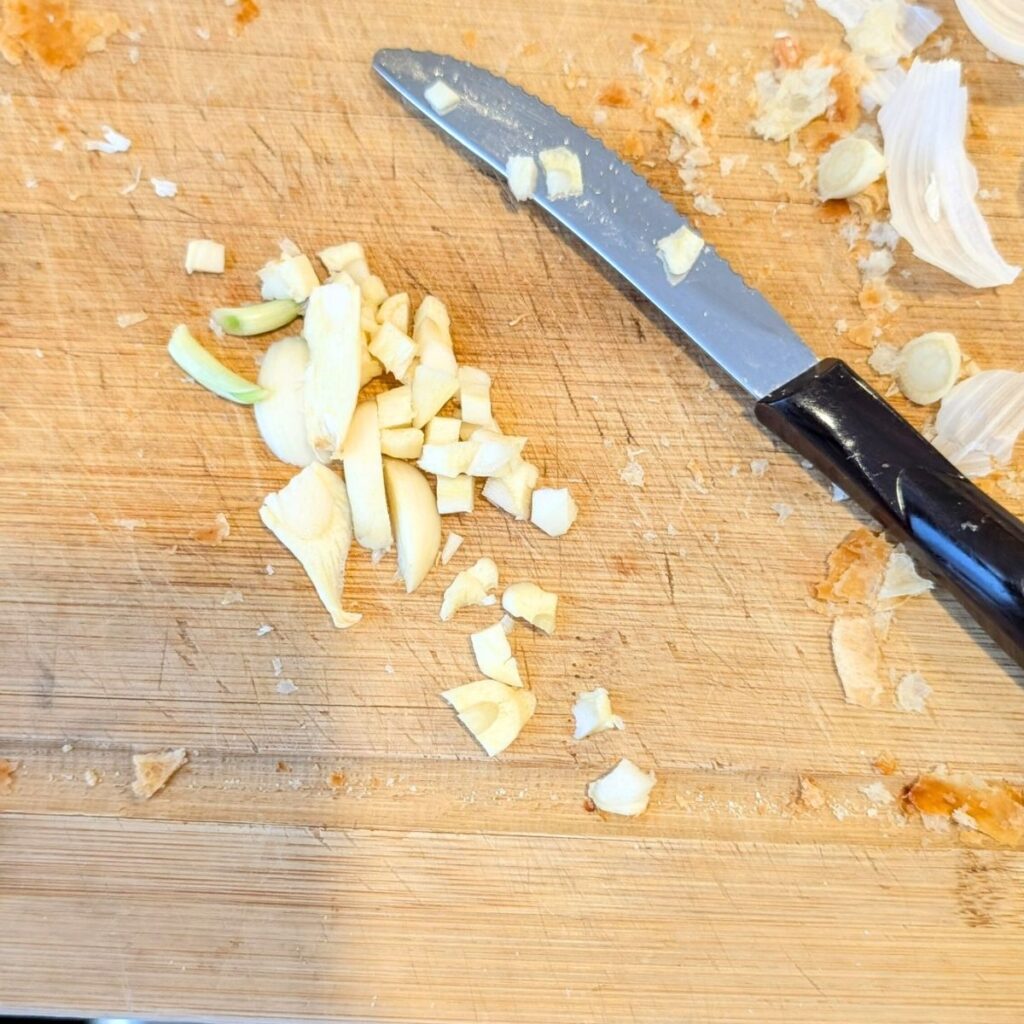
932, 183
521, 172
414, 517
532, 603
563, 175
625, 790
494, 655
364, 480
472, 586
848, 168
441, 96
310, 516
290, 277
331, 328
593, 713
679, 252
928, 367
204, 256
493, 712
209, 371
998, 26
553, 510
281, 418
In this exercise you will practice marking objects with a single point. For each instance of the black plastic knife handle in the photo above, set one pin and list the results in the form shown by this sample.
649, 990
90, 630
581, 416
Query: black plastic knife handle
966, 540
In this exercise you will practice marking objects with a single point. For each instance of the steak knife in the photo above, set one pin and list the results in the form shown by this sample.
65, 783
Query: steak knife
821, 408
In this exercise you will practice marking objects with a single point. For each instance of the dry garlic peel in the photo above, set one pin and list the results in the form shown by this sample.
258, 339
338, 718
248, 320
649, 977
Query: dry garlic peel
521, 172
471, 587
928, 367
281, 418
204, 256
849, 167
679, 252
493, 712
402, 442
415, 519
441, 96
593, 713
998, 25
563, 175
553, 510
364, 480
625, 790
207, 370
494, 655
291, 277
310, 516
532, 603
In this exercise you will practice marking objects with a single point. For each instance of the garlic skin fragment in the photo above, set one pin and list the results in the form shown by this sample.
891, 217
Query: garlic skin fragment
534, 604
310, 516
204, 256
331, 328
209, 371
442, 97
679, 252
593, 713
625, 790
364, 480
849, 167
928, 367
494, 655
521, 172
442, 430
563, 175
788, 103
281, 418
394, 349
402, 442
394, 407
553, 510
932, 183
471, 587
493, 712
290, 277
415, 519
513, 489
998, 25
454, 495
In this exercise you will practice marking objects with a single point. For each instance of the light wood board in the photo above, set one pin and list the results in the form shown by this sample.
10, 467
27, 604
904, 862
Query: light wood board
346, 852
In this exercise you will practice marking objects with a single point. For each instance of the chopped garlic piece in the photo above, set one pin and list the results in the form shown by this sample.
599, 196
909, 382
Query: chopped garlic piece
554, 510
209, 371
415, 520
442, 430
113, 142
512, 490
532, 603
475, 395
347, 258
281, 418
679, 252
625, 790
495, 453
310, 516
563, 175
434, 345
364, 480
290, 277
494, 655
454, 494
848, 168
432, 308
928, 367
448, 460
441, 96
154, 771
394, 407
521, 172
204, 256
394, 310
163, 188
401, 442
593, 713
493, 712
471, 587
369, 368
431, 389
452, 544
394, 349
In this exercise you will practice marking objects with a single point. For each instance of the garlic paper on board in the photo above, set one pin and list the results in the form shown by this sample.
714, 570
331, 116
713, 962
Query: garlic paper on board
998, 25
932, 183
625, 790
883, 31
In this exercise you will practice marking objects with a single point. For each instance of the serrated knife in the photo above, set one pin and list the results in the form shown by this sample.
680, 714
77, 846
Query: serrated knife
822, 409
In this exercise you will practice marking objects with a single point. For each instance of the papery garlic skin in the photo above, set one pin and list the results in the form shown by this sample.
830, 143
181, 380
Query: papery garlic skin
625, 790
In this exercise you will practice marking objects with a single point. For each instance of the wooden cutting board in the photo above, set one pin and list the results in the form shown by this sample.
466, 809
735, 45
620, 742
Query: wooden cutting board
346, 851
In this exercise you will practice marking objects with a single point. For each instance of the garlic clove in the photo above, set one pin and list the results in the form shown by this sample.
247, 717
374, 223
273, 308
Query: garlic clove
470, 587
394, 407
848, 168
534, 604
454, 495
928, 367
625, 790
310, 516
364, 480
563, 175
493, 712
402, 442
415, 519
593, 713
494, 655
521, 172
553, 510
281, 418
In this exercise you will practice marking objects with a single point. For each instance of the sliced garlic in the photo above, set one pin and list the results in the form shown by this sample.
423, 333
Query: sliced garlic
475, 395
331, 328
431, 389
452, 544
394, 310
394, 349
364, 480
679, 252
402, 442
625, 790
394, 407
495, 453
848, 168
454, 495
563, 175
532, 603
441, 96
593, 713
928, 367
442, 430
494, 655
281, 418
310, 516
204, 256
512, 490
209, 371
493, 712
553, 510
521, 172
471, 587
415, 519
290, 277
448, 460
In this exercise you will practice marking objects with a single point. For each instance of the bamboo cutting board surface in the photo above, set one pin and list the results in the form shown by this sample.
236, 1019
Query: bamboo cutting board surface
346, 851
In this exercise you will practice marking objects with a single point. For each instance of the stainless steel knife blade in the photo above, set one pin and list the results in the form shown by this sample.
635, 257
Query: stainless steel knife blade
618, 215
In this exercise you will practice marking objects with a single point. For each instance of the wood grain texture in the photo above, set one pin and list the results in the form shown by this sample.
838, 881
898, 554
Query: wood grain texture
346, 852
